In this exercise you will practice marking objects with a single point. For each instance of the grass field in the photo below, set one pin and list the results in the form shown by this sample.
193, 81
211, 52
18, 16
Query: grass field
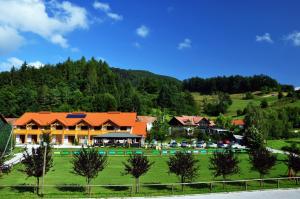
61, 174
278, 144
238, 103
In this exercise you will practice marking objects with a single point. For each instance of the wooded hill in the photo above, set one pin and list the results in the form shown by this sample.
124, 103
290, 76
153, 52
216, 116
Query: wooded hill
91, 85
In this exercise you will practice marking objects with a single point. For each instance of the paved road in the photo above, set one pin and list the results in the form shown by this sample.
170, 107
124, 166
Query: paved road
270, 194
18, 157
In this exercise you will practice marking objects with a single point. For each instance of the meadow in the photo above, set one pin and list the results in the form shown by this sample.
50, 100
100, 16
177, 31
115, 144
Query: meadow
61, 174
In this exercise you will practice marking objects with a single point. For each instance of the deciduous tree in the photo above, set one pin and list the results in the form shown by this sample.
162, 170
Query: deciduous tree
137, 165
184, 165
88, 163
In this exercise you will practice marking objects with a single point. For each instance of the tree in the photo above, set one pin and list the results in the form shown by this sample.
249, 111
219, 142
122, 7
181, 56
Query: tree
223, 121
248, 96
88, 163
280, 95
184, 165
34, 161
165, 98
255, 117
262, 161
219, 105
160, 129
293, 164
224, 163
137, 165
253, 138
264, 103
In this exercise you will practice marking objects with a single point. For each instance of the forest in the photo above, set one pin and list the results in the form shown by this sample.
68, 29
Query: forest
92, 85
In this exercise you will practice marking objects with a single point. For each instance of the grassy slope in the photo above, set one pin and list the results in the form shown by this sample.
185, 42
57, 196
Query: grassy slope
239, 103
278, 144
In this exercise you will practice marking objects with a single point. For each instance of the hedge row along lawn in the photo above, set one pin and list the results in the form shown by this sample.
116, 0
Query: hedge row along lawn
61, 174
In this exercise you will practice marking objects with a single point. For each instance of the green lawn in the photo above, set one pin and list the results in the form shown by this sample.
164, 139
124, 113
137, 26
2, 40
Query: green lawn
278, 144
61, 174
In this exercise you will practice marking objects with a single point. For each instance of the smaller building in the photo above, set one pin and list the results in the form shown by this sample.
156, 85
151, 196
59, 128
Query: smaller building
191, 121
238, 122
147, 119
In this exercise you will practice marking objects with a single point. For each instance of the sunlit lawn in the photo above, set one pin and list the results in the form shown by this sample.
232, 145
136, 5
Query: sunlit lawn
61, 174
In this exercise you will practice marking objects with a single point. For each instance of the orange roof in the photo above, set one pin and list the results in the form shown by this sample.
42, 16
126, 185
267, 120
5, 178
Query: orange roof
238, 122
140, 128
93, 119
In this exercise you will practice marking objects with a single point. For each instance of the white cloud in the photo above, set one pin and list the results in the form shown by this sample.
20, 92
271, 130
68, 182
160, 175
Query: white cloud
20, 16
16, 62
10, 39
142, 31
101, 6
115, 16
105, 7
264, 38
186, 43
36, 64
294, 38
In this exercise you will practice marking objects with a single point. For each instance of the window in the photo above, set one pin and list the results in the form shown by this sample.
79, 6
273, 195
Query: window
84, 128
72, 127
110, 128
97, 128
123, 128
34, 127
59, 127
22, 127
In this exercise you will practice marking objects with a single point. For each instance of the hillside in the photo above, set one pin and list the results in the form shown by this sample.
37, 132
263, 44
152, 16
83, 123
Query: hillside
92, 85
238, 103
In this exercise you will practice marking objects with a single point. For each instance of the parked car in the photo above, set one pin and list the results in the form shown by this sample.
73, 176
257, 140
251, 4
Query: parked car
201, 144
212, 145
220, 145
184, 144
173, 144
237, 146
5, 168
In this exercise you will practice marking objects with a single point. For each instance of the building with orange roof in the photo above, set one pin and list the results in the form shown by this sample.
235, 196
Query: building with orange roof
79, 127
238, 122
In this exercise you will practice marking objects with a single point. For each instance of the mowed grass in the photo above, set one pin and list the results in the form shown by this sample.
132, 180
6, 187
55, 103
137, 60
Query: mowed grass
278, 144
61, 174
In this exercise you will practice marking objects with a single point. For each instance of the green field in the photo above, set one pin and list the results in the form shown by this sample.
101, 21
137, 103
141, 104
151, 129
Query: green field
238, 103
61, 174
278, 144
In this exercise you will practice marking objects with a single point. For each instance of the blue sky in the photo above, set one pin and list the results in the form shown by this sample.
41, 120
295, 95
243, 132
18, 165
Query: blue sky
171, 37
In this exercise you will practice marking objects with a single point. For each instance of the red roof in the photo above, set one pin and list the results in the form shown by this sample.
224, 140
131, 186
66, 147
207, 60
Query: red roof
238, 122
147, 119
192, 120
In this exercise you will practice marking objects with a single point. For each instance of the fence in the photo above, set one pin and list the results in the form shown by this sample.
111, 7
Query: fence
149, 152
78, 190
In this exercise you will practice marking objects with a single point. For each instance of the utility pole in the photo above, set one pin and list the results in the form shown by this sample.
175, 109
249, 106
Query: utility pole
44, 165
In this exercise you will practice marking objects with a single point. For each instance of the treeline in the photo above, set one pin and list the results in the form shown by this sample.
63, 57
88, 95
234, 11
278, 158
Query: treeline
234, 84
89, 85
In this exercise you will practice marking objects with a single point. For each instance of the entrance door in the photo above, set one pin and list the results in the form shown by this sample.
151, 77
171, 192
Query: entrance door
71, 139
34, 139
22, 139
